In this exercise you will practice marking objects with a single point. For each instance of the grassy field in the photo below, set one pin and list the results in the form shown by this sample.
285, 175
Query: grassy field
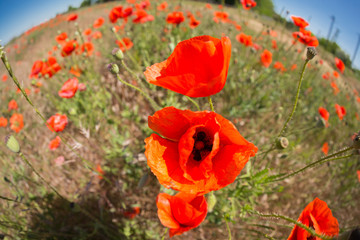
97, 184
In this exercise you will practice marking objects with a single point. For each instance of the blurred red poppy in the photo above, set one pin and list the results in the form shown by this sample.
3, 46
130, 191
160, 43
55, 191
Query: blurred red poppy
125, 44
69, 47
69, 88
193, 22
99, 22
3, 122
132, 213
17, 122
181, 212
198, 67
175, 18
57, 122
324, 113
274, 44
335, 88
36, 69
208, 6
87, 32
4, 78
340, 65
55, 143
87, 48
248, 4
221, 16
115, 13
244, 39
279, 66
300, 22
97, 35
358, 173
316, 215
306, 39
266, 58
72, 17
12, 105
50, 67
326, 76
293, 67
100, 171
61, 38
203, 153
336, 74
162, 6
76, 71
142, 17
325, 148
340, 111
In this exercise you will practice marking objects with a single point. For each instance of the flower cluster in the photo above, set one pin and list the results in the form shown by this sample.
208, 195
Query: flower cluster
204, 152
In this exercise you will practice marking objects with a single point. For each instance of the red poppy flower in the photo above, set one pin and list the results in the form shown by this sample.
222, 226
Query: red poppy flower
326, 76
208, 6
197, 68
266, 58
340, 111
4, 77
181, 212
87, 48
115, 13
175, 18
221, 16
125, 41
358, 173
293, 67
76, 71
274, 44
324, 113
57, 122
132, 213
336, 74
87, 32
306, 39
72, 17
127, 12
244, 39
99, 22
316, 215
100, 171
248, 4
300, 22
143, 5
69, 47
203, 153
162, 6
335, 87
97, 35
16, 122
55, 143
69, 88
279, 66
3, 122
325, 148
142, 17
12, 105
50, 67
340, 65
193, 22
61, 38
36, 69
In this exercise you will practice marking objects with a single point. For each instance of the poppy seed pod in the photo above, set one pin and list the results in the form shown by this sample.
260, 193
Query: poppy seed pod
311, 53
282, 143
113, 68
116, 52
12, 144
356, 141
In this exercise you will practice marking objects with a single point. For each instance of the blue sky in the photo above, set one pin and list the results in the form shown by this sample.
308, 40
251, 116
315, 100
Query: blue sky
318, 13
18, 16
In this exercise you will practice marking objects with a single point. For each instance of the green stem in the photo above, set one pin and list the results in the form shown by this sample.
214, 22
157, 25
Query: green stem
127, 53
38, 174
8, 199
165, 232
132, 72
228, 229
299, 224
296, 99
193, 101
153, 104
211, 104
320, 161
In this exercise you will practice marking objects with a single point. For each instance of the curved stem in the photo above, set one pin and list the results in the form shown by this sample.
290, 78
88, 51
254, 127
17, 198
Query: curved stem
211, 104
296, 99
299, 224
320, 161
193, 101
228, 229
153, 104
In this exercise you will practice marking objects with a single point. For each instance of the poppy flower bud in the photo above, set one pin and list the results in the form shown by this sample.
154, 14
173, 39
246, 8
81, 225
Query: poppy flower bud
282, 143
118, 53
311, 53
12, 144
211, 201
356, 141
113, 68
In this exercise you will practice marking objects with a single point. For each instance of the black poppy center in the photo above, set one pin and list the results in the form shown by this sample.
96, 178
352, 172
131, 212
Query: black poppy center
311, 225
202, 146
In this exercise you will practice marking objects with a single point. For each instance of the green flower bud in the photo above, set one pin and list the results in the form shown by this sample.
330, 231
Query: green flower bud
12, 144
113, 68
282, 143
118, 53
211, 201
